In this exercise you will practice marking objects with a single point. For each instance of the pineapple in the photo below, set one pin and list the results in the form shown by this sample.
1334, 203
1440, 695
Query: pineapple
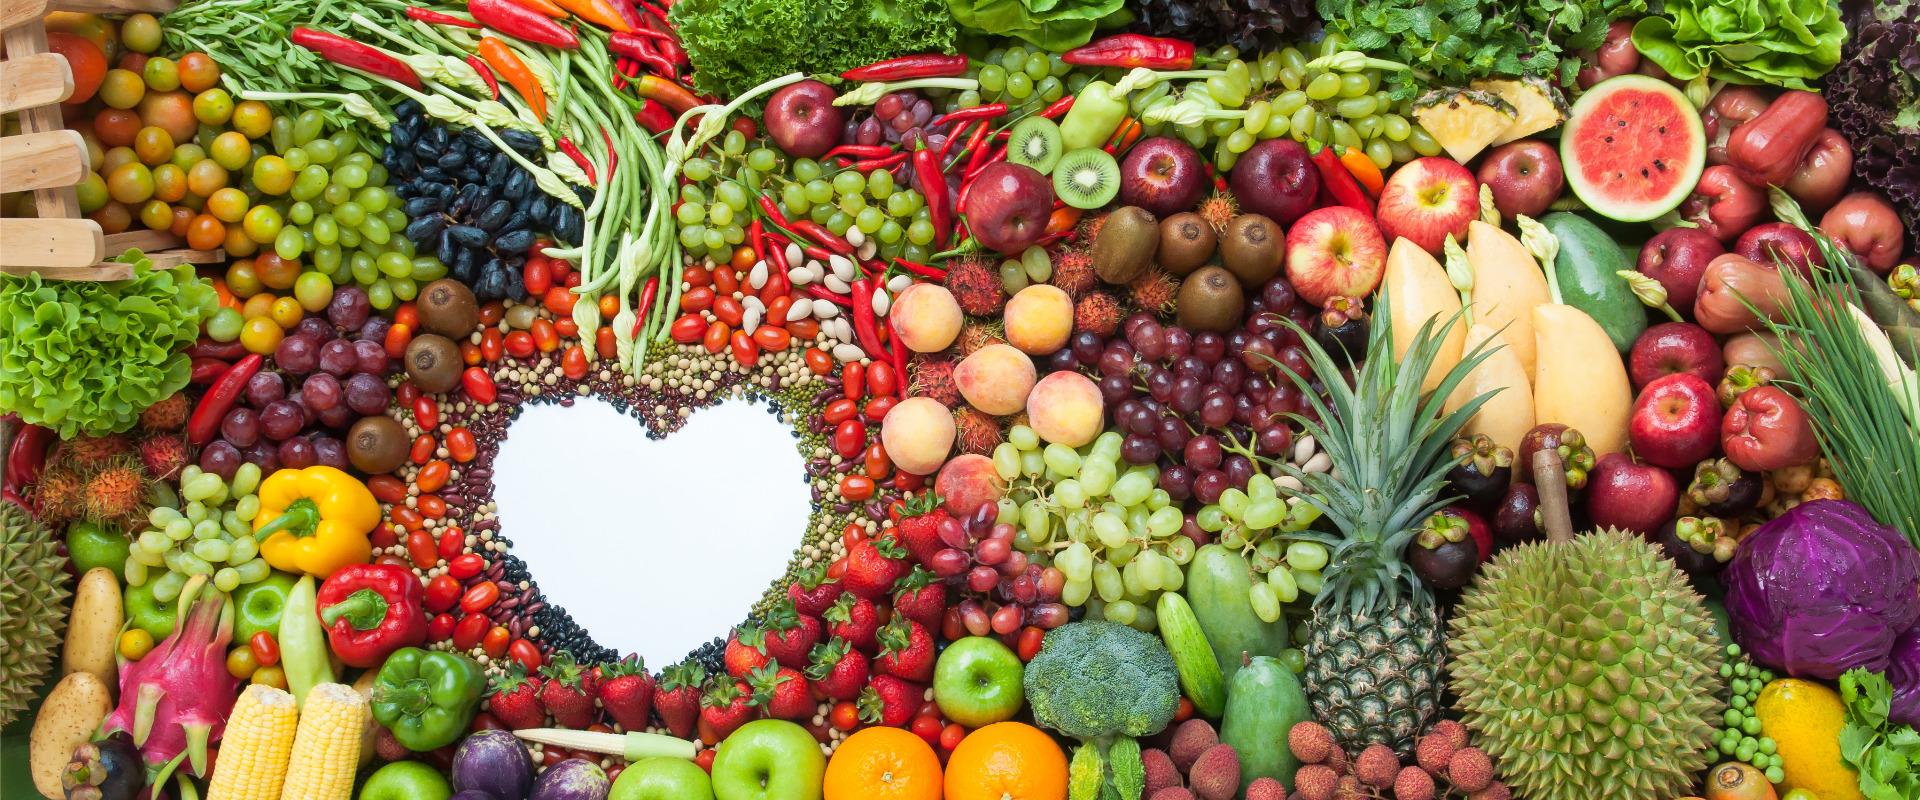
1463, 121
1375, 647
1537, 104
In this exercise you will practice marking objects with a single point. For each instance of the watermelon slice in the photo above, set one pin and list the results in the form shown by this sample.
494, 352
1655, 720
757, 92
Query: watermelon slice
1633, 148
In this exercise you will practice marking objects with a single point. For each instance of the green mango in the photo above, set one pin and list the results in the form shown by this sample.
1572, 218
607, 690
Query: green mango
1588, 267
257, 606
90, 544
148, 613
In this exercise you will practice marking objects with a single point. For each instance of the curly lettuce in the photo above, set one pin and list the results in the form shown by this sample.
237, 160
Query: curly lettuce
1788, 43
1874, 96
735, 45
86, 357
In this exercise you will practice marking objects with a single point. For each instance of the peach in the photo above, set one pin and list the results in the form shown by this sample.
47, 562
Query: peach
1066, 408
926, 317
969, 482
995, 379
918, 433
1039, 319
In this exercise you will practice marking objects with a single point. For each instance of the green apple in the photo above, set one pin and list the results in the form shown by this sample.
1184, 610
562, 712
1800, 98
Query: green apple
406, 780
661, 778
977, 682
769, 759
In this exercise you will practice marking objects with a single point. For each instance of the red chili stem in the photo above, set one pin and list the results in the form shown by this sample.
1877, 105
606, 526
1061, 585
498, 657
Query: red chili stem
432, 17
355, 55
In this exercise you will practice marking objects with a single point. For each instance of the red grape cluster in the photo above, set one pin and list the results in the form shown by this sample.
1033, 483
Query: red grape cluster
1008, 590
898, 118
337, 368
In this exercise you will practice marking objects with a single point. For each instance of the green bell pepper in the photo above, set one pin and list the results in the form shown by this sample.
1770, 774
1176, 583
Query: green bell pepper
257, 606
91, 544
427, 698
147, 613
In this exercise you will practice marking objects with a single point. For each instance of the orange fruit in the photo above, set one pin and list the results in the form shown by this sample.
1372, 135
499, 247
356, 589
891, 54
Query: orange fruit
1007, 761
84, 58
883, 764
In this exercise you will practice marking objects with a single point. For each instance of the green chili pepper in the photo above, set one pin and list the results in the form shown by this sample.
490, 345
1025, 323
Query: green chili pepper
1096, 113
426, 698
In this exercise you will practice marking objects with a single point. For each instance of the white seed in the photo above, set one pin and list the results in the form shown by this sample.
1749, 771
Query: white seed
801, 309
794, 253
866, 249
881, 302
1289, 483
800, 276
1321, 462
825, 310
753, 302
846, 353
1303, 449
899, 283
835, 283
842, 329
750, 319
855, 237
842, 267
757, 277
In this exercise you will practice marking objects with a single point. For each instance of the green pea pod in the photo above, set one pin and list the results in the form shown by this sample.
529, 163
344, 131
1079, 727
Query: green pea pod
426, 698
1587, 268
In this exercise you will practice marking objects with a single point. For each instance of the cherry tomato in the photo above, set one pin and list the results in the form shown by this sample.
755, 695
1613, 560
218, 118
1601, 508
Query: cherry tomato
805, 330
1029, 643
876, 462
469, 353
881, 380
853, 380
519, 344
472, 628
849, 438
479, 385
398, 337
771, 338
558, 300
387, 489
704, 759
407, 518
407, 313
878, 407
573, 363
492, 312
726, 280
452, 541
490, 345
699, 298
696, 277
537, 275
908, 482
545, 338
466, 565
461, 446
426, 412
479, 596
927, 728
745, 350
525, 654
728, 310
817, 359
432, 476
777, 309
440, 628
240, 663
432, 507
716, 337
839, 410
845, 716
567, 328
422, 549
687, 328
406, 394
604, 344
495, 642
609, 306
856, 487
423, 447
266, 651
1184, 711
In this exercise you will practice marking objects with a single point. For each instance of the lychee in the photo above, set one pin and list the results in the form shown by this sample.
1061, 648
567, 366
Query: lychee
1218, 210
1161, 773
1376, 766
976, 432
163, 454
1264, 788
1098, 313
1215, 775
1452, 730
169, 414
976, 335
1155, 292
1348, 789
1337, 759
1433, 750
1192, 738
93, 452
1310, 742
1494, 791
114, 493
1316, 782
1470, 770
1171, 793
1413, 783
975, 284
932, 376
1073, 271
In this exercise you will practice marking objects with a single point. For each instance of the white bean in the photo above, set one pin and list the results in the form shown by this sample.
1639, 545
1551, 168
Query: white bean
825, 310
750, 319
757, 277
800, 276
842, 329
801, 309
899, 283
866, 249
847, 353
794, 253
751, 301
1303, 449
1321, 462
855, 237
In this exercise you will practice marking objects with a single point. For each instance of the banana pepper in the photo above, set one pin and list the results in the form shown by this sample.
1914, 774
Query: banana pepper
315, 520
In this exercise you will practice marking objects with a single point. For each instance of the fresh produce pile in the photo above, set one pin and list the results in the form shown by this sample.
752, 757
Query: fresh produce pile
1199, 400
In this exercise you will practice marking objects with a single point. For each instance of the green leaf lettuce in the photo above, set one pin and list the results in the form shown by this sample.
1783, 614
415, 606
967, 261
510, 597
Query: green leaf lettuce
1786, 43
1054, 25
735, 45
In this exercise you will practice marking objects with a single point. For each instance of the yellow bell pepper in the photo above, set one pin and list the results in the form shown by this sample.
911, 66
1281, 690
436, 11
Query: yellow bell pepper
315, 520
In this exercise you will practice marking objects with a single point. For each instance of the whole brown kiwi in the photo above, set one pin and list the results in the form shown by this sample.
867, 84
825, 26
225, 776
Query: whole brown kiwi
1252, 248
1125, 247
377, 445
447, 307
433, 363
1186, 242
1210, 300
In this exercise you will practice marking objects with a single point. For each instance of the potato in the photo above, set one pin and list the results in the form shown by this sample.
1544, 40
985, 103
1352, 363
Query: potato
94, 632
73, 710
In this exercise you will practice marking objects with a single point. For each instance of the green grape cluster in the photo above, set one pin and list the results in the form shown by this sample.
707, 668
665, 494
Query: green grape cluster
1740, 738
344, 216
211, 534
1026, 80
1258, 521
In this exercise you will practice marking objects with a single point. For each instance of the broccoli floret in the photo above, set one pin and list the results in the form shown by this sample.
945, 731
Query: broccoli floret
1095, 680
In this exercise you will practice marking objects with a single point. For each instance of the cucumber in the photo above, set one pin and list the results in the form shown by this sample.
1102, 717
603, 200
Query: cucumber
1218, 580
1200, 674
1264, 701
1587, 268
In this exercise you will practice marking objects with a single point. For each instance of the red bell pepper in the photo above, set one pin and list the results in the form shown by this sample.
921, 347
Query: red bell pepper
371, 610
1133, 50
355, 55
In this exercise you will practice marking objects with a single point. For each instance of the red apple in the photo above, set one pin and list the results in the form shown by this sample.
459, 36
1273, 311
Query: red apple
1276, 178
1675, 348
1779, 244
1335, 252
802, 119
1163, 176
1675, 421
1525, 176
1008, 207
1623, 493
1677, 257
1426, 199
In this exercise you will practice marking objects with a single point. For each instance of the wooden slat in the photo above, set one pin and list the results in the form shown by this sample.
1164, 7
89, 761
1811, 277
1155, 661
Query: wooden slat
155, 7
23, 41
168, 259
32, 243
146, 241
41, 79
42, 160
15, 13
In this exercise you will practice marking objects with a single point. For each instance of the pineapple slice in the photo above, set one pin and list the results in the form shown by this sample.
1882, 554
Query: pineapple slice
1463, 121
1540, 106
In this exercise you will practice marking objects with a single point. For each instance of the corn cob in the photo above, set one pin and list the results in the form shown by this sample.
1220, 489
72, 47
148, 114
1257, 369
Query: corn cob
254, 750
326, 746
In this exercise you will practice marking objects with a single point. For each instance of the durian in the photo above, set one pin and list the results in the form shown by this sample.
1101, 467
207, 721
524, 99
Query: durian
33, 606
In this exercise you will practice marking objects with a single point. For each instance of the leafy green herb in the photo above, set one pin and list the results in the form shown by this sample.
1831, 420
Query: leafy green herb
1786, 43
248, 39
736, 45
87, 357
1887, 756
1459, 40
1054, 25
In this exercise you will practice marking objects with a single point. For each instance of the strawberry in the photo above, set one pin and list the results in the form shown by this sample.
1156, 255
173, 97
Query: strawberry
906, 651
626, 692
918, 527
872, 565
678, 700
854, 619
568, 693
746, 650
516, 701
724, 707
922, 597
838, 670
780, 692
813, 592
789, 634
888, 700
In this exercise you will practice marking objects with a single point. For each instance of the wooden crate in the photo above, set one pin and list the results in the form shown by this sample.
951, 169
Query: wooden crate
50, 160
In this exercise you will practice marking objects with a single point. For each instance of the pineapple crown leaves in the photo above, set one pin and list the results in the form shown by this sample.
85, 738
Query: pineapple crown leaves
825, 656
686, 675
1390, 446
765, 683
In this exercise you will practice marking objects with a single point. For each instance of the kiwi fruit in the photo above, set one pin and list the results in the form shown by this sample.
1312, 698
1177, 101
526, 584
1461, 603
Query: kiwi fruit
1186, 242
1035, 142
433, 363
1086, 178
1252, 248
1126, 244
447, 307
1210, 300
377, 445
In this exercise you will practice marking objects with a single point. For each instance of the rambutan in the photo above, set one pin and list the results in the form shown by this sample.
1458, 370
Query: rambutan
975, 335
1218, 210
932, 376
56, 495
1089, 227
1073, 271
167, 415
1155, 292
1098, 313
163, 454
976, 432
975, 284
92, 452
115, 493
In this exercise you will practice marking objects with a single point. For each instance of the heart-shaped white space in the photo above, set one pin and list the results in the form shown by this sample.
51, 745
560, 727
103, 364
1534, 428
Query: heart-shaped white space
654, 546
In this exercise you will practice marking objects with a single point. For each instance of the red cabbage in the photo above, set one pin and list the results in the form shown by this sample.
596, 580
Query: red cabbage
1904, 673
1822, 589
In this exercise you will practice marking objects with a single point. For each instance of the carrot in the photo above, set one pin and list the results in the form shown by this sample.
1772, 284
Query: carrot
511, 69
1363, 169
599, 12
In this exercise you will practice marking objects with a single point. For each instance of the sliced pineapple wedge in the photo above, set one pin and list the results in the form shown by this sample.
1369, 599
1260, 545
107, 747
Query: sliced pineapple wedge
1538, 105
1463, 121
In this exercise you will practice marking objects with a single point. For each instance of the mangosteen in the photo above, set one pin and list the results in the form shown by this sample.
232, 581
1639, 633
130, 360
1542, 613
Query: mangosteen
1568, 442
433, 363
1694, 544
108, 769
1444, 553
1724, 490
1481, 472
1517, 519
1342, 328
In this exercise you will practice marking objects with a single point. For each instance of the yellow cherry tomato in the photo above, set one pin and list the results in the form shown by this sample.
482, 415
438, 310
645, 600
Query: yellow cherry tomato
241, 663
272, 676
135, 644
260, 334
287, 312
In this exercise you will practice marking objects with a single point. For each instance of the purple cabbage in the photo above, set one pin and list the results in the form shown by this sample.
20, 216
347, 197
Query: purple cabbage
1822, 589
1904, 673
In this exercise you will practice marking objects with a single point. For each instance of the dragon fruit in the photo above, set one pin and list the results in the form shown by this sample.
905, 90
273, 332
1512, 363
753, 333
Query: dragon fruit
175, 700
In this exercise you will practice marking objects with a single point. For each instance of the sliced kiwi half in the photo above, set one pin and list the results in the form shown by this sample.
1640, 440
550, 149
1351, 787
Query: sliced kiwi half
1086, 178
1035, 142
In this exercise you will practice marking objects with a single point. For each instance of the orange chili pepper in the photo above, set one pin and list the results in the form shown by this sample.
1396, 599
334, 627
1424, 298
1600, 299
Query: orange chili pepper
598, 12
1363, 170
545, 8
511, 69
1063, 219
666, 92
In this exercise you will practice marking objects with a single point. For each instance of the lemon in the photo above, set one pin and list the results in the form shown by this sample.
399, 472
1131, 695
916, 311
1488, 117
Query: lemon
1804, 719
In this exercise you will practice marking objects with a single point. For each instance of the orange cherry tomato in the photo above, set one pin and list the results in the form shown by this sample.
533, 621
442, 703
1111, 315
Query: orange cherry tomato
460, 445
573, 363
604, 344
387, 489
407, 314
431, 506
856, 487
745, 350
716, 338
726, 280
469, 353
495, 643
771, 338
545, 338
518, 344
876, 462
491, 347
805, 330
433, 476
817, 359
398, 337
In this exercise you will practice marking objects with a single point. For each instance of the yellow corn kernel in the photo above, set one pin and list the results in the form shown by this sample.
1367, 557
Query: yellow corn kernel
255, 747
326, 747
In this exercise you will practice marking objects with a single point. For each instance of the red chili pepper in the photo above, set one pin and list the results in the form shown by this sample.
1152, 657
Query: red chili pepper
822, 235
872, 164
604, 13
863, 319
220, 398
1059, 108
954, 136
1340, 183
646, 303
1133, 50
772, 210
932, 182
670, 46
818, 292
479, 65
988, 111
28, 454
923, 65
354, 55
433, 17
640, 48
665, 91
973, 146
206, 370
225, 351
522, 23
922, 270
859, 151
572, 150
629, 15
654, 117
899, 356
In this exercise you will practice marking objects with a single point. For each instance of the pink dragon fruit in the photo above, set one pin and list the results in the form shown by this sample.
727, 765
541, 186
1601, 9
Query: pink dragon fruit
176, 699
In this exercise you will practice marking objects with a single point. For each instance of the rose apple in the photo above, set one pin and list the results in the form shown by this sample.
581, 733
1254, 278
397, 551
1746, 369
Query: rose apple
769, 759
976, 682
1335, 252
803, 120
1779, 244
1162, 175
1675, 347
1426, 199
1766, 429
1675, 421
1677, 257
1623, 493
1276, 178
1008, 207
1525, 177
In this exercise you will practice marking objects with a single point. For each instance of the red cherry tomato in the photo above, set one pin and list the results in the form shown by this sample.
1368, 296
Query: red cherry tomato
465, 565
849, 438
472, 628
479, 596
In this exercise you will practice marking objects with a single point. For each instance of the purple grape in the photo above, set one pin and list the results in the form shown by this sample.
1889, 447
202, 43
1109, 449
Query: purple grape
1062, 360
297, 453
1138, 449
330, 451
1186, 367
1172, 435
1258, 355
1087, 347
320, 391
1230, 375
1279, 295
1202, 452
337, 357
1274, 441
1179, 342
1186, 395
241, 427
1160, 384
315, 327
370, 358
338, 417
1117, 360
307, 414
282, 419
265, 456
296, 355
1209, 485
1216, 410
1209, 346
349, 307
221, 458
889, 105
1141, 421
374, 329
1149, 340
265, 387
367, 395
1239, 469
1190, 528
1244, 409
1177, 481
1138, 319
868, 132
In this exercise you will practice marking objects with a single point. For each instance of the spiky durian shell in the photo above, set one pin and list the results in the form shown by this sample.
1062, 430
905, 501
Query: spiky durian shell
33, 606
1588, 669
